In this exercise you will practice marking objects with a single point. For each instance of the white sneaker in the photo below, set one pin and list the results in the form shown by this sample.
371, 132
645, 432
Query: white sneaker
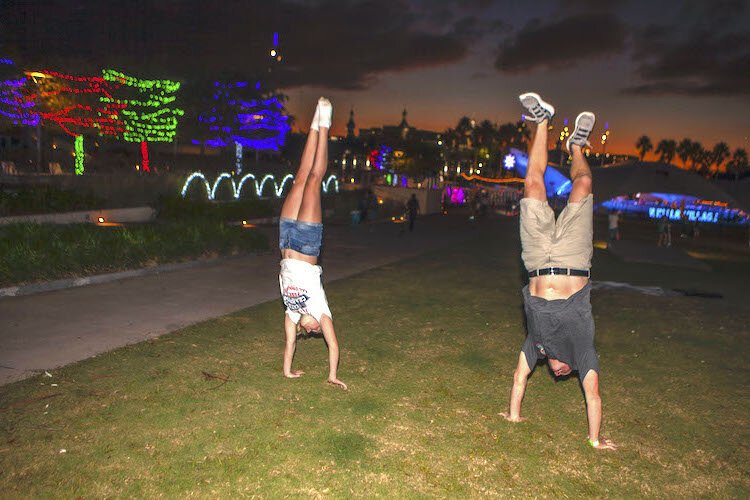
539, 109
326, 112
584, 126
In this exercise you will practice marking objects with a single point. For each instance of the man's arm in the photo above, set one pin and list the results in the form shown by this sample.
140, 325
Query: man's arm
520, 377
290, 331
594, 411
326, 324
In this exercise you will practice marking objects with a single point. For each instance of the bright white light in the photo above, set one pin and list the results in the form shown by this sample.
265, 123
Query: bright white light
509, 161
278, 188
273, 52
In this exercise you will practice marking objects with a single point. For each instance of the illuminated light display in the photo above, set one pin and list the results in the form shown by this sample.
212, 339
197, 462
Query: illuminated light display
677, 207
509, 162
79, 154
147, 114
476, 177
14, 104
260, 124
102, 115
144, 155
238, 158
554, 181
278, 188
456, 195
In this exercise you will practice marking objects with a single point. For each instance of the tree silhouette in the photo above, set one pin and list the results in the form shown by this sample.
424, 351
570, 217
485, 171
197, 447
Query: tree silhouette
719, 154
683, 150
643, 145
697, 155
666, 149
738, 164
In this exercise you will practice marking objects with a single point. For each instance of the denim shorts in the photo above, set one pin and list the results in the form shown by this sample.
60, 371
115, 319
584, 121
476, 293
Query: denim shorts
302, 237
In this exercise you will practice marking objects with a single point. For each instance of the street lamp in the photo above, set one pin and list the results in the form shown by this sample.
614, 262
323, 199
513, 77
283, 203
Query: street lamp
42, 76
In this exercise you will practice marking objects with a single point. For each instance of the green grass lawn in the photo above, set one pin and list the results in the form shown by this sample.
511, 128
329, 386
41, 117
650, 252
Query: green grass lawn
428, 349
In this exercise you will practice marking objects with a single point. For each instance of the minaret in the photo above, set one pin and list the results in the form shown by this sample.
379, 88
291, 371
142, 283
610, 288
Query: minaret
350, 125
404, 126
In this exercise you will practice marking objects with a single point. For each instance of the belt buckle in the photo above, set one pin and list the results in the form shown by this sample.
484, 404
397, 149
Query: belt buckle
551, 271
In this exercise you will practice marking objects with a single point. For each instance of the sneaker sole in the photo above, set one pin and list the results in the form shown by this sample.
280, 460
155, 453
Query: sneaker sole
549, 107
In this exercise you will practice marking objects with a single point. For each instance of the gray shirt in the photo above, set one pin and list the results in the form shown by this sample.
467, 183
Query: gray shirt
561, 329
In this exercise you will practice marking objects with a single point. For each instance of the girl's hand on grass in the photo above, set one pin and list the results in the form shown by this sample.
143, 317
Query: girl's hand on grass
294, 374
335, 381
507, 417
605, 444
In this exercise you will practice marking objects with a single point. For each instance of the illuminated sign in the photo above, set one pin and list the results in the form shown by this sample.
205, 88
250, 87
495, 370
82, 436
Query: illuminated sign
676, 214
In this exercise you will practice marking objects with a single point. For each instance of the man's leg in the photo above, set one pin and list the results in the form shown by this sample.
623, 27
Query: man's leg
580, 173
291, 207
310, 209
533, 185
537, 220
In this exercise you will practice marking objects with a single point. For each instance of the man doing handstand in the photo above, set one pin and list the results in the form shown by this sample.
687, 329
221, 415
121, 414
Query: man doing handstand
557, 254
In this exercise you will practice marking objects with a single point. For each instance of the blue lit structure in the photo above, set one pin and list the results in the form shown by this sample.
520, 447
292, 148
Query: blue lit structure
260, 124
13, 104
556, 183
676, 207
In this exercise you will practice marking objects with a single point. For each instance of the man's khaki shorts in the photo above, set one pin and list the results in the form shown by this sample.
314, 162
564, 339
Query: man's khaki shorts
567, 242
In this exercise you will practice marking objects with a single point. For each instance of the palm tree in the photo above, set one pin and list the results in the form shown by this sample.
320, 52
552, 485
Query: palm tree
719, 153
738, 164
696, 155
465, 131
643, 145
486, 134
683, 150
666, 149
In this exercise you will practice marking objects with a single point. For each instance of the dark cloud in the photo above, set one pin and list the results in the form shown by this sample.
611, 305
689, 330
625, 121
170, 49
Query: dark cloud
705, 51
561, 43
329, 43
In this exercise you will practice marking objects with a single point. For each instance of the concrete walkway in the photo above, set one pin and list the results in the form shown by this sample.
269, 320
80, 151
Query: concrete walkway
48, 330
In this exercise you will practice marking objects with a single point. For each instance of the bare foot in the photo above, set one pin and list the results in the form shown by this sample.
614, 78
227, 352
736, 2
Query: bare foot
294, 374
507, 417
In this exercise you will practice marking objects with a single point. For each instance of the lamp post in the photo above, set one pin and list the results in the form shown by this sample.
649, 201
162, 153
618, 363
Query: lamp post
34, 75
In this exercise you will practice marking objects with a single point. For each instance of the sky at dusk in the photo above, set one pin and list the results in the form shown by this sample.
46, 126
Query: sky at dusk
668, 69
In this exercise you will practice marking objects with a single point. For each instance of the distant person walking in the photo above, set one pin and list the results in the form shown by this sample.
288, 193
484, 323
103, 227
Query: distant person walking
613, 224
300, 238
412, 209
557, 255
662, 230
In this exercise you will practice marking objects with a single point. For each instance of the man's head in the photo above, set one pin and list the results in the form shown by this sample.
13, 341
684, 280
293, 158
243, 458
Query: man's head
559, 368
309, 324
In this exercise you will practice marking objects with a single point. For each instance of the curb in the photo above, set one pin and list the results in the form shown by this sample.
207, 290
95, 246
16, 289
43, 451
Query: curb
50, 286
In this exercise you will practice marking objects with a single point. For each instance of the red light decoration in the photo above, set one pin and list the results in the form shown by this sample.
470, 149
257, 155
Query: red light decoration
103, 116
144, 154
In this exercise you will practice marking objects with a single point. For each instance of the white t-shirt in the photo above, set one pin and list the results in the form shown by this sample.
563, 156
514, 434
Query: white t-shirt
302, 290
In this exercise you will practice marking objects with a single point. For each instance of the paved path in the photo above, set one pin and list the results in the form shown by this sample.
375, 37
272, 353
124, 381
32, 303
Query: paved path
48, 330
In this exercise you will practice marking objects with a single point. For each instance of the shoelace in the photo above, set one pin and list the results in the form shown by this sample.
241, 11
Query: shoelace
538, 111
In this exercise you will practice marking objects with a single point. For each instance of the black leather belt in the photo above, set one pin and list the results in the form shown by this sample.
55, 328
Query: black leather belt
559, 271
